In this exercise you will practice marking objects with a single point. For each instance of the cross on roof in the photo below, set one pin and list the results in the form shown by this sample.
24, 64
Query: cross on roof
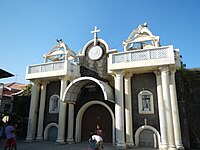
95, 31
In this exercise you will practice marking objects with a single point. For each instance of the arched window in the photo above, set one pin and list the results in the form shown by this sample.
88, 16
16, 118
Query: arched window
145, 102
54, 104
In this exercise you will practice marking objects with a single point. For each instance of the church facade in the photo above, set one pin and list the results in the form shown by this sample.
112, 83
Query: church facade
131, 94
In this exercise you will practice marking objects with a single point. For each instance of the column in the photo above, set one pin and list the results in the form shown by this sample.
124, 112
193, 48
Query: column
119, 110
62, 113
31, 131
128, 110
175, 113
41, 111
167, 104
161, 110
70, 133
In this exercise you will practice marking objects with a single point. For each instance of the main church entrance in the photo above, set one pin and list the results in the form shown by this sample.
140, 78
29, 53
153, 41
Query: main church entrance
97, 114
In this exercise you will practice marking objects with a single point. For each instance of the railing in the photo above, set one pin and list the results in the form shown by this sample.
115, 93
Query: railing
54, 66
144, 54
144, 59
52, 69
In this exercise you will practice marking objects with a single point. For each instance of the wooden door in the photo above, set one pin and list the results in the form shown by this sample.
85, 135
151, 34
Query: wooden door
97, 114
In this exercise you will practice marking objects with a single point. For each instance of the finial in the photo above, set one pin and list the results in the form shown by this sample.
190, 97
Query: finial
95, 34
144, 24
59, 40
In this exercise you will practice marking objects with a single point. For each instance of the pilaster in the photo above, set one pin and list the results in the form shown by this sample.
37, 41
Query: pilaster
161, 110
175, 113
62, 113
119, 110
70, 133
31, 131
41, 110
128, 110
167, 104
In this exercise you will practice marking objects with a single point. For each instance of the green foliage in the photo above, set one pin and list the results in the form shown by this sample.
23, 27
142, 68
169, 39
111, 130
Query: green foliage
190, 79
27, 90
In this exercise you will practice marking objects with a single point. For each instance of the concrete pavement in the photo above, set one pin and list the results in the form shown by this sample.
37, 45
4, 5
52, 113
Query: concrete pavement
48, 145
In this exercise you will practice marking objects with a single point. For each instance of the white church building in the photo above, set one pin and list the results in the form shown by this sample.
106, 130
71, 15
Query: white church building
131, 94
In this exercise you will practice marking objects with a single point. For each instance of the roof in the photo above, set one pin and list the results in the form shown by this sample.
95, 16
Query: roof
13, 88
15, 85
5, 74
193, 69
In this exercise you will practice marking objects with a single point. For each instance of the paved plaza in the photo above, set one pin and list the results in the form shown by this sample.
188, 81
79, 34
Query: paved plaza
47, 145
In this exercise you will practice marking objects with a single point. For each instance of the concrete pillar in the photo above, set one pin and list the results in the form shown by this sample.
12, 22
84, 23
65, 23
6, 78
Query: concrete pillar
161, 110
70, 133
128, 110
167, 104
175, 113
62, 113
119, 110
41, 111
31, 131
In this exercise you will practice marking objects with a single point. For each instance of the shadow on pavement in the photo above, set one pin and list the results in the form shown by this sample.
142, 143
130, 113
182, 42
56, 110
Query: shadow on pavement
48, 145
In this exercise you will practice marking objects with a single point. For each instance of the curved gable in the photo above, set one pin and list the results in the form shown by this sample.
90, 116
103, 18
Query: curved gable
73, 89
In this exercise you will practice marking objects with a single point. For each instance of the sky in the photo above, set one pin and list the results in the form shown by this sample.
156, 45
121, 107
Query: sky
29, 28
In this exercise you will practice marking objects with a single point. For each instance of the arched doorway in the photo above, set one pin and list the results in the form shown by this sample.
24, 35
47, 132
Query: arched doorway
50, 132
53, 131
96, 114
147, 136
147, 139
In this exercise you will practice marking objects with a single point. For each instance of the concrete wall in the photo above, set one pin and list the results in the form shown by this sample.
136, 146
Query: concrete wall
52, 88
97, 69
188, 94
144, 82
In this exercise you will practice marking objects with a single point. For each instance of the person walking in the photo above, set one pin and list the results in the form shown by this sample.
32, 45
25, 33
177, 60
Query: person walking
10, 136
